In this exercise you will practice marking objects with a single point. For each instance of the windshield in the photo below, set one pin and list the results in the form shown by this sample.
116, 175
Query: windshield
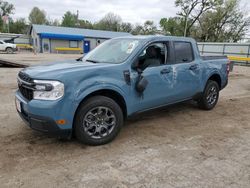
112, 51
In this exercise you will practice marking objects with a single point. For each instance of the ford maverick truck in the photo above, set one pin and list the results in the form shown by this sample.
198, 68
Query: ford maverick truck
90, 97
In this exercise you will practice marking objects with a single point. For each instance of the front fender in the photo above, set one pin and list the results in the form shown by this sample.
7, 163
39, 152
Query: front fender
82, 92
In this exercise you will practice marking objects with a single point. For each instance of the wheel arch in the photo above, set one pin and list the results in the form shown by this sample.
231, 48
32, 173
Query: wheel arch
116, 96
110, 93
8, 47
217, 78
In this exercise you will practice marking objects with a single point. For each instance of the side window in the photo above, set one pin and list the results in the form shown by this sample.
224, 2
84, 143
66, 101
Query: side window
153, 55
1, 42
183, 52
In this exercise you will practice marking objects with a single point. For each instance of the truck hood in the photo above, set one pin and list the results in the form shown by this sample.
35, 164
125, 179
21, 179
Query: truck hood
57, 70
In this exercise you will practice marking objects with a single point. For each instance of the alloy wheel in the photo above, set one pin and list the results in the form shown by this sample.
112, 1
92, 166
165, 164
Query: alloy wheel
212, 95
99, 122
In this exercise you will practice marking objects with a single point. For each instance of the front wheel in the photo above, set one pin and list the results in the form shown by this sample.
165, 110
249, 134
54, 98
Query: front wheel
98, 121
209, 96
9, 50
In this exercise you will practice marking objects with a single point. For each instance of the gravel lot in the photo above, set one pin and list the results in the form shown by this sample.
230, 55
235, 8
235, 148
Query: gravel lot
178, 146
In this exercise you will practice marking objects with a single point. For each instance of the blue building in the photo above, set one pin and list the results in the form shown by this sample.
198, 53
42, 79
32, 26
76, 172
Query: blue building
48, 39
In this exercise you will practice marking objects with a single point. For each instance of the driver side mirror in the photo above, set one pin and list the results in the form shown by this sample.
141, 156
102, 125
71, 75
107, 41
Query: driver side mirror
141, 84
139, 65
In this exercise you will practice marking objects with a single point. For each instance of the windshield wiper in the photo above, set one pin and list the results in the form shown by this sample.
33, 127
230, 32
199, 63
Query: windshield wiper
92, 61
79, 59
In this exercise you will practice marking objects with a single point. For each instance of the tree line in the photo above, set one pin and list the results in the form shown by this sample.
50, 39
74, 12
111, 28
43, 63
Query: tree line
204, 20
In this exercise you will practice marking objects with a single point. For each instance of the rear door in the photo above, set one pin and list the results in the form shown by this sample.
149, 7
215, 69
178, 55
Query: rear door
186, 71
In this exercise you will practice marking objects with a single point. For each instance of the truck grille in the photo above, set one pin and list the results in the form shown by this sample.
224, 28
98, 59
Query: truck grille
25, 85
25, 77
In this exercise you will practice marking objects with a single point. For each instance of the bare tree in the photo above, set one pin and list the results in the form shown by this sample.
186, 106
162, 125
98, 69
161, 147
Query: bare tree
191, 10
227, 23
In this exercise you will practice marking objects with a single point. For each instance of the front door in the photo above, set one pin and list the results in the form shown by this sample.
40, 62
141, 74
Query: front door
159, 89
86, 46
159, 76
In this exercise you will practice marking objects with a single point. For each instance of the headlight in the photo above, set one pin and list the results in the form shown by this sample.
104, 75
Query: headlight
48, 90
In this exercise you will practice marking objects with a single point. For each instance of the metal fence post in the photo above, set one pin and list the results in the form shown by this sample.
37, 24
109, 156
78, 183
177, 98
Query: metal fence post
223, 51
202, 49
248, 53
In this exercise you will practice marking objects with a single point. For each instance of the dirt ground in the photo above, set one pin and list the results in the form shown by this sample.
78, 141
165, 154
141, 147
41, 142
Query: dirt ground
32, 59
178, 146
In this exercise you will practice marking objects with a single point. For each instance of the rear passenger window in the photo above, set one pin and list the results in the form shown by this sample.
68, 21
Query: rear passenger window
183, 52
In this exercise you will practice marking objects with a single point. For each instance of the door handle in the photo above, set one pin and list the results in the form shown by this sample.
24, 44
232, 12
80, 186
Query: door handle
165, 71
193, 67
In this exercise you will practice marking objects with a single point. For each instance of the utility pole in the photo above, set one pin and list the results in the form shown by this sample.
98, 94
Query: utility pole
77, 15
77, 18
5, 19
8, 23
185, 29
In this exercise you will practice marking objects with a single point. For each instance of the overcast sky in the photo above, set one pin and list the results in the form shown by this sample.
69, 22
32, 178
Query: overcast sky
134, 11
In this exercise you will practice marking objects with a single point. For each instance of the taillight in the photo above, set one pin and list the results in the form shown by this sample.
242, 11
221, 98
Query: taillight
228, 67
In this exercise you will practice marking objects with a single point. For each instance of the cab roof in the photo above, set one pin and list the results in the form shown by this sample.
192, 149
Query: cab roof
158, 37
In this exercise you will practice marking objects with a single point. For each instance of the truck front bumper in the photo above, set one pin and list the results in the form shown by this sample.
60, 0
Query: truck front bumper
40, 122
44, 124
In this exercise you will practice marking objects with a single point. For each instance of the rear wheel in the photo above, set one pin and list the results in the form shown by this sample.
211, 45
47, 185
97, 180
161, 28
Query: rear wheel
98, 121
210, 95
9, 50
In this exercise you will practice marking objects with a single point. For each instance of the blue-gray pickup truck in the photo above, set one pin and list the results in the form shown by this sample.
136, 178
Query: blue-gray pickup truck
90, 97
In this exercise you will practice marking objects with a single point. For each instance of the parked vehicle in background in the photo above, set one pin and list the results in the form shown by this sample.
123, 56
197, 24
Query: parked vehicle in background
90, 97
7, 47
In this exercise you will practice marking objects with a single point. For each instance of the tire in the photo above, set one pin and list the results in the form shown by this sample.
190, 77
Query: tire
9, 50
98, 121
209, 96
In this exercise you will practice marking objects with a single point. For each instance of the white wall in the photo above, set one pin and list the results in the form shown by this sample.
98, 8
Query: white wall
63, 43
36, 40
